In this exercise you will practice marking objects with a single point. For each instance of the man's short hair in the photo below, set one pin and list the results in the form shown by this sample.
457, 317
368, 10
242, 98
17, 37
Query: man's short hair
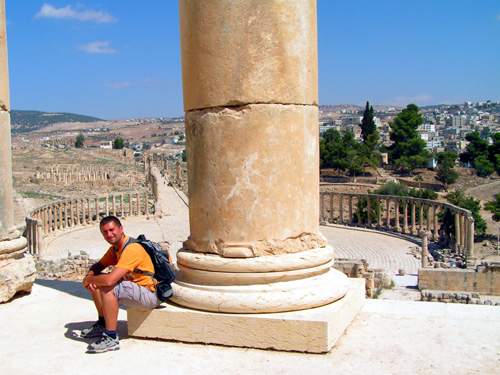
108, 219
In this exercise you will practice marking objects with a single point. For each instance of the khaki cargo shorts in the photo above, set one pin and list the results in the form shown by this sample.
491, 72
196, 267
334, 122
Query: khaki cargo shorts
130, 294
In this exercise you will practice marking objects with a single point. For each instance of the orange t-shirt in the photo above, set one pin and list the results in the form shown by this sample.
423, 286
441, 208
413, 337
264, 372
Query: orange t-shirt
134, 257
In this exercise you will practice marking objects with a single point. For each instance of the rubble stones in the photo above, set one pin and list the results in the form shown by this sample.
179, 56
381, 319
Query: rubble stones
458, 297
74, 266
358, 268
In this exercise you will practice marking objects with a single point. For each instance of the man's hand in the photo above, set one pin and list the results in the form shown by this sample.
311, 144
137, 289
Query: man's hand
93, 282
86, 281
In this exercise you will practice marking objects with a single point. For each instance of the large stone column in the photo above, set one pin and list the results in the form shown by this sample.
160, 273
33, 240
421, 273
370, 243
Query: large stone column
250, 96
16, 269
251, 103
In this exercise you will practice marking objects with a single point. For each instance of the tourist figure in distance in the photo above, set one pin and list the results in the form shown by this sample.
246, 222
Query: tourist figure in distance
125, 284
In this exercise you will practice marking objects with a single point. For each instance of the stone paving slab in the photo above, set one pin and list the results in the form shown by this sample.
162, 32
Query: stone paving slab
387, 337
379, 249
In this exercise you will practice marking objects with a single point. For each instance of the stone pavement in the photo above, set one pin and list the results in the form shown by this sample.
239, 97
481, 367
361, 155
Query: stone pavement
379, 249
387, 337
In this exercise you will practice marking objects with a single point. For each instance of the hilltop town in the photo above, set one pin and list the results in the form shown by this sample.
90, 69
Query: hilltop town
445, 126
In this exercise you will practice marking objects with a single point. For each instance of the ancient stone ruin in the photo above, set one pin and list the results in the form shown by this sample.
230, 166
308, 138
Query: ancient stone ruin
251, 102
17, 269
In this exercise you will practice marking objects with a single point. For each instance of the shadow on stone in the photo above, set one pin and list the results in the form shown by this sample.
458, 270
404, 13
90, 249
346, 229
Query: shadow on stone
73, 288
73, 330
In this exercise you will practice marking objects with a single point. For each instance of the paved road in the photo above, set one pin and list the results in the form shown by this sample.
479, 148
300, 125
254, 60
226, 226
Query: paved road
380, 250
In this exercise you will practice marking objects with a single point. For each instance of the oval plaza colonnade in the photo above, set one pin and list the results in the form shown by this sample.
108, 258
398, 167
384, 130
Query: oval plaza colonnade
54, 218
406, 215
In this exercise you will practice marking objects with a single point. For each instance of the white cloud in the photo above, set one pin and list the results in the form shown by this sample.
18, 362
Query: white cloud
97, 47
118, 85
68, 12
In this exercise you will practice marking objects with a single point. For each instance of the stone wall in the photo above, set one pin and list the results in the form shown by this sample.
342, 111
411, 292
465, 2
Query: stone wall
485, 279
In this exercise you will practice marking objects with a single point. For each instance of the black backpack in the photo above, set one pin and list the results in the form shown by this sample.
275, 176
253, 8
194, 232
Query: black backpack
164, 271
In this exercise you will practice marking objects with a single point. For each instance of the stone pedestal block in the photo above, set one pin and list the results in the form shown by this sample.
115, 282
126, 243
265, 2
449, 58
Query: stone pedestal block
253, 180
313, 331
248, 51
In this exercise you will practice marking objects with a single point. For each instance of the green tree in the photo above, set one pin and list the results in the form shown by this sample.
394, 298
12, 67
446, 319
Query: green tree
483, 166
341, 151
368, 126
494, 207
79, 141
118, 143
458, 198
336, 149
477, 147
446, 172
494, 152
395, 188
407, 151
369, 149
485, 133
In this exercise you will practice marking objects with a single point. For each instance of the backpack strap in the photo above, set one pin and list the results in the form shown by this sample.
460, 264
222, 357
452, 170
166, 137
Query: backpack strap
137, 270
141, 272
128, 242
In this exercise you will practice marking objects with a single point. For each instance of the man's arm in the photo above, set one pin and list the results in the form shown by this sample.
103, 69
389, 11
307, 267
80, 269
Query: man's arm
106, 280
107, 259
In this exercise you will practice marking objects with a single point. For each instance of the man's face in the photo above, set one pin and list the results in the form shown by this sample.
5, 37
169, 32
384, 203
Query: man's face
112, 233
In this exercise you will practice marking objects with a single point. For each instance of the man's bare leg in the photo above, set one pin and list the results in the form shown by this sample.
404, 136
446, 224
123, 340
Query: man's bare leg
96, 297
109, 306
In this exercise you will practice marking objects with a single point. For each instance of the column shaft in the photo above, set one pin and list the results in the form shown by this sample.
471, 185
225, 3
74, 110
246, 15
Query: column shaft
250, 96
6, 189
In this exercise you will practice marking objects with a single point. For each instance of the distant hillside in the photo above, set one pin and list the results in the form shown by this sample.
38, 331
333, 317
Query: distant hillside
27, 121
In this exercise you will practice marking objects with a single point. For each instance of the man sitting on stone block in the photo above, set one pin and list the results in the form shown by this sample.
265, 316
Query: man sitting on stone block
124, 285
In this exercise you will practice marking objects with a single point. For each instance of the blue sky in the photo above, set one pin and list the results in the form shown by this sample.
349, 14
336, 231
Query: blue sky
120, 58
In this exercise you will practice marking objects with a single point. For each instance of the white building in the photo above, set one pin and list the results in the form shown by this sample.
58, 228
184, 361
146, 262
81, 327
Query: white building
106, 145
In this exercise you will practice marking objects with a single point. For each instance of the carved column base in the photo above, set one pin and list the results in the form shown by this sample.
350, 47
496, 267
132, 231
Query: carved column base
279, 283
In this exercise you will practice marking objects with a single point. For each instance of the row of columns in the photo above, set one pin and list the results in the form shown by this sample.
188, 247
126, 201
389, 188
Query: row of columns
164, 167
59, 216
404, 215
74, 176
